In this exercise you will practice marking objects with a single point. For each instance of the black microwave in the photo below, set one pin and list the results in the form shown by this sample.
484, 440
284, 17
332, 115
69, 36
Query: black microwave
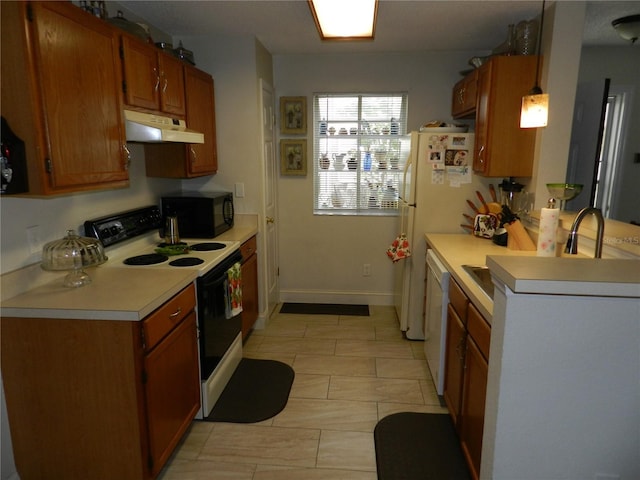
200, 214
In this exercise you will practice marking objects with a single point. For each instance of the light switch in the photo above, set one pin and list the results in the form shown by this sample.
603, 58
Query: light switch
240, 190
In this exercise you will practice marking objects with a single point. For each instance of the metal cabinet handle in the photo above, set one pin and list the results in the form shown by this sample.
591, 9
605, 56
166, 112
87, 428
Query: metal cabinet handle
128, 156
176, 313
164, 87
155, 71
480, 152
194, 156
460, 350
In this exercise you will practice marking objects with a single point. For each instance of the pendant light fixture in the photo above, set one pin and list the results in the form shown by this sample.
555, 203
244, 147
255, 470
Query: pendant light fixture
345, 19
535, 105
628, 27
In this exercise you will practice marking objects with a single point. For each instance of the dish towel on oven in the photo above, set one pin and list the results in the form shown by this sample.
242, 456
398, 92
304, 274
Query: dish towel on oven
234, 297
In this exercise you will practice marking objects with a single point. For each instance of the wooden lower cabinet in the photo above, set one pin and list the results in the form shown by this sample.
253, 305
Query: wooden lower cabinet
466, 372
250, 307
91, 399
473, 401
454, 365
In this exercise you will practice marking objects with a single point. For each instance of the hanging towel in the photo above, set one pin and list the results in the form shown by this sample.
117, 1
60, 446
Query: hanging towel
234, 297
399, 249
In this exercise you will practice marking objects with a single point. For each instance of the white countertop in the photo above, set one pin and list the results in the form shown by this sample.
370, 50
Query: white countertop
456, 250
524, 272
115, 293
601, 277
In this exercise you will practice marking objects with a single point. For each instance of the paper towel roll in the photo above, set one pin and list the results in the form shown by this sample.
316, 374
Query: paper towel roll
547, 233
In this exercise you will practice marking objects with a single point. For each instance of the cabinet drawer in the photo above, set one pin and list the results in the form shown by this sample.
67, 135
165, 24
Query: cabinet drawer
479, 330
248, 248
157, 325
458, 300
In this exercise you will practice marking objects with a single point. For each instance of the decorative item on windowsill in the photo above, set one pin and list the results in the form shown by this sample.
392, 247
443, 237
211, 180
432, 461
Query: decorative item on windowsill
535, 105
73, 253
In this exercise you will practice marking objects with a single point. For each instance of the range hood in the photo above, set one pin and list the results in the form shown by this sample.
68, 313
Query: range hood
150, 128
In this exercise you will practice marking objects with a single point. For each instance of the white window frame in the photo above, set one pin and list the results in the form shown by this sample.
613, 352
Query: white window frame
365, 180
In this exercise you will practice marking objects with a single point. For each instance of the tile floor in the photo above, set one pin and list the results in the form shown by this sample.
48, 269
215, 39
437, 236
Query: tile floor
350, 372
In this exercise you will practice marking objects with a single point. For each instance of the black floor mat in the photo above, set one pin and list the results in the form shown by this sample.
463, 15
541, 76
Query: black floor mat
418, 446
257, 390
325, 309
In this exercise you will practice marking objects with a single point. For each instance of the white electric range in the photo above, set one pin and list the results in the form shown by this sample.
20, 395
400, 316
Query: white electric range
132, 240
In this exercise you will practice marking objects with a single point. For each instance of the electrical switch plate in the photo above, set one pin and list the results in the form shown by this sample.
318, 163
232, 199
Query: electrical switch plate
366, 270
33, 239
239, 190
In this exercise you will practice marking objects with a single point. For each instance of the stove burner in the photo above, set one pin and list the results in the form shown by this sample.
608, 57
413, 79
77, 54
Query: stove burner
148, 259
207, 246
186, 262
163, 244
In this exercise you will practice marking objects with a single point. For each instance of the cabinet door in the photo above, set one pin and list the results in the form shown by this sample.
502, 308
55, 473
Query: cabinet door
473, 402
502, 148
463, 103
201, 116
141, 74
172, 93
454, 365
81, 103
480, 164
172, 390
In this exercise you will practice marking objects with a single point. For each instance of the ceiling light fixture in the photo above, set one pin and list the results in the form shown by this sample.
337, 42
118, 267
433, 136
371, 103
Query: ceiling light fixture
345, 19
535, 105
628, 27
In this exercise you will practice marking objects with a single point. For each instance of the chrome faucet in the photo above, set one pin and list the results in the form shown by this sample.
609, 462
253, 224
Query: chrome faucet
572, 241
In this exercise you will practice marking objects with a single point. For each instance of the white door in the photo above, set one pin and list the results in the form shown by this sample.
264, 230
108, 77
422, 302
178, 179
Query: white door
270, 196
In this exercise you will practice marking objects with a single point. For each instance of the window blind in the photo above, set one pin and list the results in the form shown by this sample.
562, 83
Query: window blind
359, 149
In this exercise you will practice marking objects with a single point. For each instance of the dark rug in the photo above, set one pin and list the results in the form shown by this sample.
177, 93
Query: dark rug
257, 390
418, 446
325, 309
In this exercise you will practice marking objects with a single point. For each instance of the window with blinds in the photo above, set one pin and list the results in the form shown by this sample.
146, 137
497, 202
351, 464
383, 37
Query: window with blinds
359, 149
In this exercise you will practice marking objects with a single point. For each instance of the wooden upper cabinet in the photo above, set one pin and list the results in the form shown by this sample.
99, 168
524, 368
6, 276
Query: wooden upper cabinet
201, 116
61, 81
502, 148
153, 80
180, 160
463, 101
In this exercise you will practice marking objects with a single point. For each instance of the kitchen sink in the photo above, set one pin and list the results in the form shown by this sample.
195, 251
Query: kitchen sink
482, 276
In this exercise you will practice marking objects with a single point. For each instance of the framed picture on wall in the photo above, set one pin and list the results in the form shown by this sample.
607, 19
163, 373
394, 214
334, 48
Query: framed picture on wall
293, 115
293, 157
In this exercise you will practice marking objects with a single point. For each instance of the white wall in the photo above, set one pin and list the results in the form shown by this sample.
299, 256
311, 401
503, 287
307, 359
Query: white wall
322, 256
54, 216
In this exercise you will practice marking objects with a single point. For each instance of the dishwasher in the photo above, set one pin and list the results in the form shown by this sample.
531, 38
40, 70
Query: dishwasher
435, 319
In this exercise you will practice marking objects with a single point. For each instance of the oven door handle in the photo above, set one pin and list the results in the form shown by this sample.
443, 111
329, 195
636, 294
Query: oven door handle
215, 279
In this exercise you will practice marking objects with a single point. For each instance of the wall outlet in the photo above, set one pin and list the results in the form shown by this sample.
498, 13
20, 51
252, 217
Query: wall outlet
239, 190
366, 270
34, 239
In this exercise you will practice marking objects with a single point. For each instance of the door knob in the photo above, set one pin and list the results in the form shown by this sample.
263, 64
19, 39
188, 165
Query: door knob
270, 220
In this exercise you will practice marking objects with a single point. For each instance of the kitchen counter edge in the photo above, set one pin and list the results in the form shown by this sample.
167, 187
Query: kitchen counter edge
455, 250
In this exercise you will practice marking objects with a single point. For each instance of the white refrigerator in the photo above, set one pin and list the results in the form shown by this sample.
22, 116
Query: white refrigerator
435, 184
